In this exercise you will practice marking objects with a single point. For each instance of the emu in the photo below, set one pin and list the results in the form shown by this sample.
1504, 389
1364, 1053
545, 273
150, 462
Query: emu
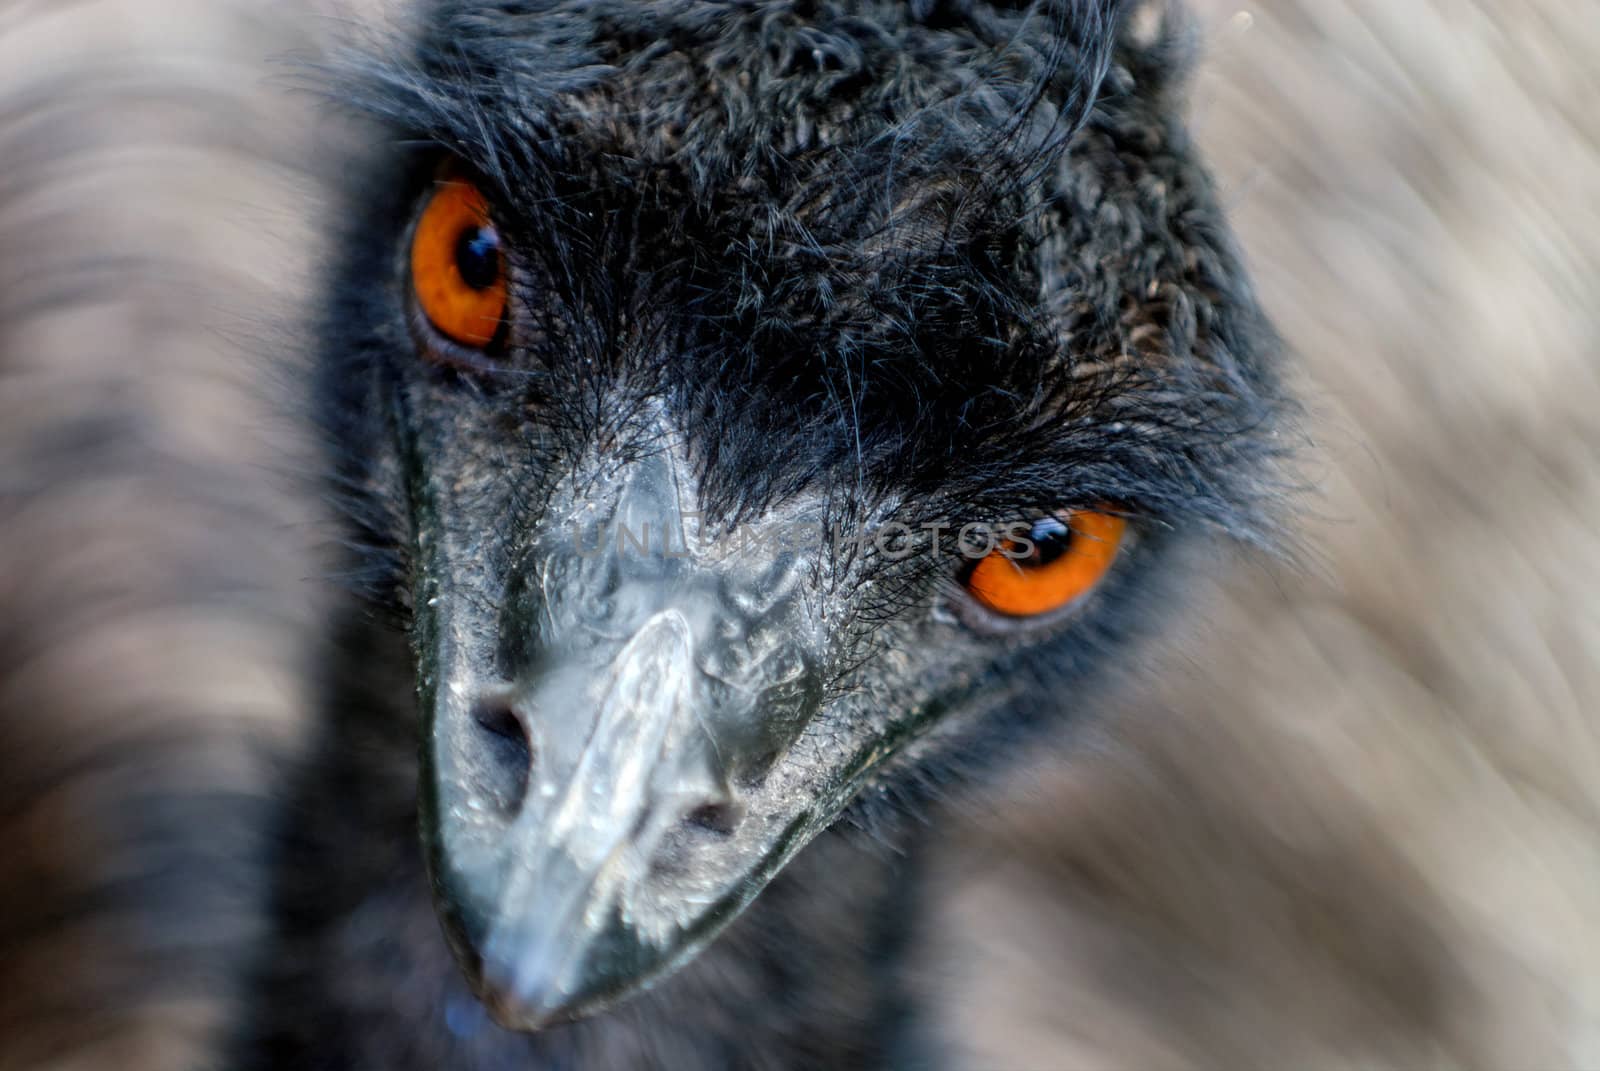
891, 270
882, 275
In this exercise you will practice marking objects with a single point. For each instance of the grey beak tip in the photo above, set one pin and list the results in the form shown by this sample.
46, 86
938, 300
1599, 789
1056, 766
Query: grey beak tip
517, 1008
525, 997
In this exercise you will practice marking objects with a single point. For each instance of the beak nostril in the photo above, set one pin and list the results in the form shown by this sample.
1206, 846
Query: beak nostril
505, 754
720, 816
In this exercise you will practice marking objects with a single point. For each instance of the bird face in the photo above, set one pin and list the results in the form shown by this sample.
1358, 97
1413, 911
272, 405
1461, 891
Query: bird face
744, 428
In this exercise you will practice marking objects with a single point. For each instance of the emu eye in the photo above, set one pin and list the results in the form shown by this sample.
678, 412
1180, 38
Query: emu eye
456, 267
1067, 558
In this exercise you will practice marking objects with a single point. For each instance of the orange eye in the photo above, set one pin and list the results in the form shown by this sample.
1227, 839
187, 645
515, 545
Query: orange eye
1067, 559
456, 266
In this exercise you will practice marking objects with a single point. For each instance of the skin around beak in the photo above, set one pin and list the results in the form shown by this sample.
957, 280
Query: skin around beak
591, 823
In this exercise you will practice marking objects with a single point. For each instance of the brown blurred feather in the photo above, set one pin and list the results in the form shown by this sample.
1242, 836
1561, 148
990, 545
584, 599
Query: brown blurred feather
1357, 822
154, 213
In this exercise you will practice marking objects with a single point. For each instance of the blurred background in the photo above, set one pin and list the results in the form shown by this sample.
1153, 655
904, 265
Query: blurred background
1355, 820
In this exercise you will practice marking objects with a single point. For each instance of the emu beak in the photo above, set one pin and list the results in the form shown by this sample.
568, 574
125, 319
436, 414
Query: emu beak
585, 826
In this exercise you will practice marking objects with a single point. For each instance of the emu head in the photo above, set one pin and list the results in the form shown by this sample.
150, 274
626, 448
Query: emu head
756, 410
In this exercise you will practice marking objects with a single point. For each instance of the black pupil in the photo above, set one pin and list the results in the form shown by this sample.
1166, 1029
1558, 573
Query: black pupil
478, 257
1050, 539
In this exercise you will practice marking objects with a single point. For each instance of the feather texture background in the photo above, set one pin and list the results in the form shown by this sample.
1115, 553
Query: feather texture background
152, 210
1354, 824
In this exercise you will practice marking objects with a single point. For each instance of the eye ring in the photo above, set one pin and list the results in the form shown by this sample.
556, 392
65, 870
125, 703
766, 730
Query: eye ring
1016, 582
458, 273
